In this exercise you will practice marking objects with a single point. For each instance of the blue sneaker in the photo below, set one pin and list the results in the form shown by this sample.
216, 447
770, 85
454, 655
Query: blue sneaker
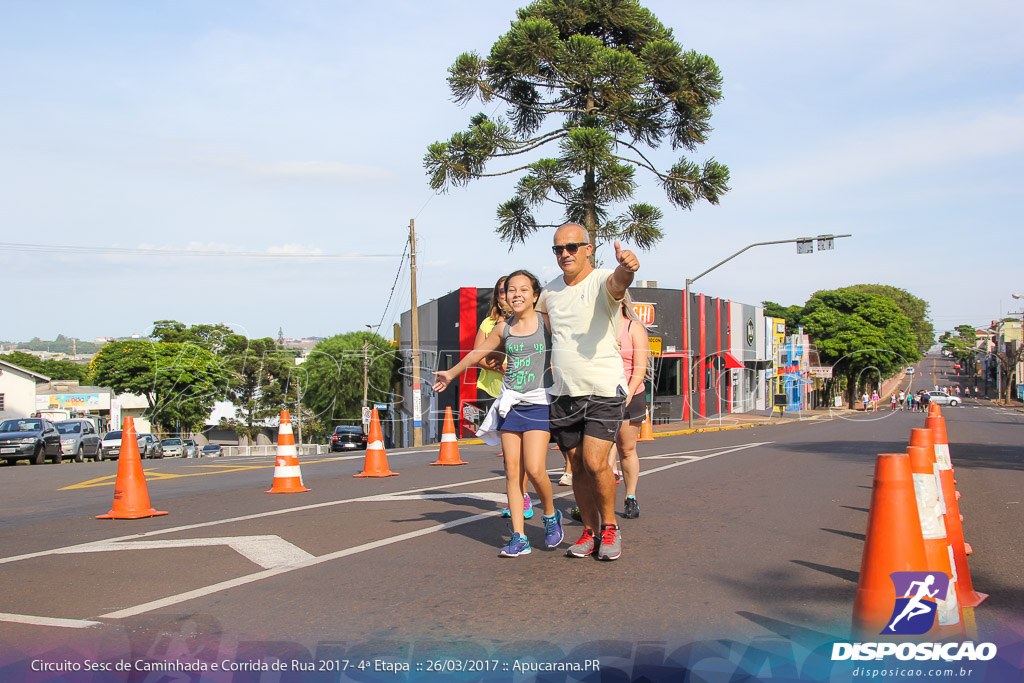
527, 506
517, 545
553, 529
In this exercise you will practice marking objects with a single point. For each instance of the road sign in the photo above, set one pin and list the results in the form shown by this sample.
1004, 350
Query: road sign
366, 415
380, 406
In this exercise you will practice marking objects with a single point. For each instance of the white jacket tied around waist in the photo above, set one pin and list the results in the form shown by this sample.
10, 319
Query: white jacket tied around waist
504, 403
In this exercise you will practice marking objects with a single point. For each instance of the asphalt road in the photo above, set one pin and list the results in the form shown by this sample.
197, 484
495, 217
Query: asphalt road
748, 535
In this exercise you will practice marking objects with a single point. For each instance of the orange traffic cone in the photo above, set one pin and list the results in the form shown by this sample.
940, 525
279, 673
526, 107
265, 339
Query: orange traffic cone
893, 543
938, 553
646, 433
449, 454
287, 475
131, 495
376, 462
954, 527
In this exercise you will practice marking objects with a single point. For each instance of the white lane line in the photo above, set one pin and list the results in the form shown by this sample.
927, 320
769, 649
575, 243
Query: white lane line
259, 576
47, 621
243, 518
304, 508
266, 551
689, 458
492, 497
242, 580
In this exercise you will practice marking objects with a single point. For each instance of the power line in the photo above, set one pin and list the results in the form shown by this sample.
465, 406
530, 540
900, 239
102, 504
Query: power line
401, 264
122, 251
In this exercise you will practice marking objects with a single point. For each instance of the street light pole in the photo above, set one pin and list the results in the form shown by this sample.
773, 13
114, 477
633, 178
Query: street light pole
804, 245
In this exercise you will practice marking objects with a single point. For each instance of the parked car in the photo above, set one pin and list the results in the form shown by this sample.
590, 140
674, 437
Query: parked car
942, 398
347, 439
191, 450
211, 450
110, 446
79, 438
149, 446
31, 438
910, 370
173, 448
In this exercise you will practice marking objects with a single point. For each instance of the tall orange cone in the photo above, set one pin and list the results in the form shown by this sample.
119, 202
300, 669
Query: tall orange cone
287, 475
938, 553
954, 527
131, 495
893, 543
646, 433
449, 454
376, 462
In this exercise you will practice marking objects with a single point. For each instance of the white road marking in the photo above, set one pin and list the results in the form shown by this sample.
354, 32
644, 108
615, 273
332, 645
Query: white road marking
47, 621
410, 494
266, 551
486, 495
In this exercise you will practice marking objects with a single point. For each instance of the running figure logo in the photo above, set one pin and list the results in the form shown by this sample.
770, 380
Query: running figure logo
916, 601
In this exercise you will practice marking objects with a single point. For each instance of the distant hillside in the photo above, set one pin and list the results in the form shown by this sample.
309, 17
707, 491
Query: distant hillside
61, 344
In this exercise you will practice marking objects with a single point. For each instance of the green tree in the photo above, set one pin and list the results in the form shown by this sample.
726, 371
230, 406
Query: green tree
260, 381
181, 382
791, 314
963, 345
54, 369
211, 337
914, 308
613, 81
333, 386
862, 336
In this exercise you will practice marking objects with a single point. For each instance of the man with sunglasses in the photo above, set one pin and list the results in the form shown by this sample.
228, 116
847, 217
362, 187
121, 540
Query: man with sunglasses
589, 391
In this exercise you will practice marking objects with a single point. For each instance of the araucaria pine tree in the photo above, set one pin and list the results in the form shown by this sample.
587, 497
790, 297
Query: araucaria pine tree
595, 84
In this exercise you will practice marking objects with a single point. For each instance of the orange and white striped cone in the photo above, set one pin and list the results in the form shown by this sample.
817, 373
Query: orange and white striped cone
287, 475
937, 550
954, 520
131, 495
892, 543
449, 454
646, 432
375, 464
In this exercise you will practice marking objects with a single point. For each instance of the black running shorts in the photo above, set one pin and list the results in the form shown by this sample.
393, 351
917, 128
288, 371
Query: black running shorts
572, 417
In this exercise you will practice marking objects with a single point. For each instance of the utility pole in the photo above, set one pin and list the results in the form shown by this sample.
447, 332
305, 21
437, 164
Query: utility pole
417, 424
366, 370
298, 414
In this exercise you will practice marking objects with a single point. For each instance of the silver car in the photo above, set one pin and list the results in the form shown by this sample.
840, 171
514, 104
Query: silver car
942, 398
173, 448
191, 448
78, 438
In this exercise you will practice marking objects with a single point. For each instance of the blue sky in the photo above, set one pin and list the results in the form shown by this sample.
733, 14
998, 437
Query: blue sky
270, 127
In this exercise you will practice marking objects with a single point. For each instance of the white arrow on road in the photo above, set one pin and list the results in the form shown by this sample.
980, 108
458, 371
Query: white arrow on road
268, 552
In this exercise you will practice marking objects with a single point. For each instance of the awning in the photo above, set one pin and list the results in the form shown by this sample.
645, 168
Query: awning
731, 363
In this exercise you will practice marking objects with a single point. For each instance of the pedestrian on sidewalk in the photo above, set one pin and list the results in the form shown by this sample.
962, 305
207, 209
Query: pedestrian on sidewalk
892, 401
875, 398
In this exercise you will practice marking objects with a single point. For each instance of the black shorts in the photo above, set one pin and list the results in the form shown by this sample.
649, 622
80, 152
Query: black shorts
636, 409
572, 417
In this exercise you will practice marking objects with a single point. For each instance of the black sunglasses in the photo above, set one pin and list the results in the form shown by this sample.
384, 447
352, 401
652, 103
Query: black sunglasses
571, 248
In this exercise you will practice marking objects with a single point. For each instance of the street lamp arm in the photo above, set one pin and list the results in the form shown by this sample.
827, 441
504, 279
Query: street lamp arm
758, 244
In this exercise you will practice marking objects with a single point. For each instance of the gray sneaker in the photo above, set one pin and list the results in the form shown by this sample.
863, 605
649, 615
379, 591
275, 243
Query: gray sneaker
582, 547
611, 543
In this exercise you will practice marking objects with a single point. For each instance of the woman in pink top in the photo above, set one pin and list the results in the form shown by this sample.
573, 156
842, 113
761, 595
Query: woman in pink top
635, 350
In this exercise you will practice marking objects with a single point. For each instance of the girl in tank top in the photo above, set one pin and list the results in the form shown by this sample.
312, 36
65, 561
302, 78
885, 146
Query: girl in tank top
521, 412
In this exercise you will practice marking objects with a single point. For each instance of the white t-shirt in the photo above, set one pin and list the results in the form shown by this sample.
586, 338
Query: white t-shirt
584, 325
